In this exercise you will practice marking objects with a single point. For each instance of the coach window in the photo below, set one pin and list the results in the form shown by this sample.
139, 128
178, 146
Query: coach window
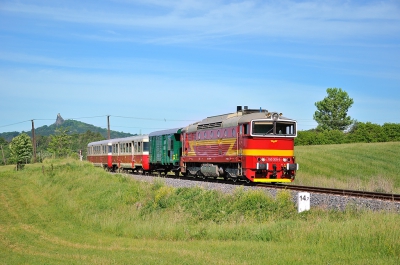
146, 146
233, 132
225, 133
139, 147
211, 134
205, 135
218, 134
199, 136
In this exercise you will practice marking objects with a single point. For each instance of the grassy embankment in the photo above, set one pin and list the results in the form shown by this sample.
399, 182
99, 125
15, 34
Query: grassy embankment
72, 213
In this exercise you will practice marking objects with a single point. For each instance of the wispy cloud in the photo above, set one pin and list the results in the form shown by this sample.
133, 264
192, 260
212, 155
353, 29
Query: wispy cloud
183, 21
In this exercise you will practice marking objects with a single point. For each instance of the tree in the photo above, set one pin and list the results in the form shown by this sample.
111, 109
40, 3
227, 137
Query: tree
332, 111
21, 150
60, 144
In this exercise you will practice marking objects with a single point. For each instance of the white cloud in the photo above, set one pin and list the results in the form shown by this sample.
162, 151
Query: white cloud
183, 21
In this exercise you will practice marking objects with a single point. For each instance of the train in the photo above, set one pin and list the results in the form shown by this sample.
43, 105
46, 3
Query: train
250, 145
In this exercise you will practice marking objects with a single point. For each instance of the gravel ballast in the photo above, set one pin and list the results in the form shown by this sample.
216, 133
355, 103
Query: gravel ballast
325, 201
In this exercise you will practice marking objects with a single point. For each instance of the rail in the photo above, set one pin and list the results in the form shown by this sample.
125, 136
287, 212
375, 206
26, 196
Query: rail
342, 192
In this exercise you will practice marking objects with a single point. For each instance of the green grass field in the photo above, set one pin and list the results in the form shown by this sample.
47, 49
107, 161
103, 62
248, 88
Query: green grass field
362, 166
68, 212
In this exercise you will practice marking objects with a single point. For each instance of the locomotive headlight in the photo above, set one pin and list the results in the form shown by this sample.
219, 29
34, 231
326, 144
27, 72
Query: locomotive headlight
263, 159
286, 159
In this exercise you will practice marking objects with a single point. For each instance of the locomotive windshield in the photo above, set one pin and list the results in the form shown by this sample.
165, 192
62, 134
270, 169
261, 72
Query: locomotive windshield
268, 128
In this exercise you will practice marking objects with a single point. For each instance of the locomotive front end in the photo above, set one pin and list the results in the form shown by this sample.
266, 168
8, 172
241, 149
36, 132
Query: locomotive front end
268, 148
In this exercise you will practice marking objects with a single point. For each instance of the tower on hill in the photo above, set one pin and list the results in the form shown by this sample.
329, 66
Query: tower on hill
59, 120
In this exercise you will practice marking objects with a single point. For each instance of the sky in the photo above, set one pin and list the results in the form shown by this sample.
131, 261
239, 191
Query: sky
158, 64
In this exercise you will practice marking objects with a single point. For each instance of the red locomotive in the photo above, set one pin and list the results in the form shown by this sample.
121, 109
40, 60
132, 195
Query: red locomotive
253, 145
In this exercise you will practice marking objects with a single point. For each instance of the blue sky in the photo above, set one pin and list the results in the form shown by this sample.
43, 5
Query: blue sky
158, 64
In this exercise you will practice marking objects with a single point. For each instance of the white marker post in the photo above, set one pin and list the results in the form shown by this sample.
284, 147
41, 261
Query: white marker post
303, 201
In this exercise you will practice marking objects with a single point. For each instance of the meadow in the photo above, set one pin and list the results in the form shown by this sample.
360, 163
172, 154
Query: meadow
360, 166
68, 212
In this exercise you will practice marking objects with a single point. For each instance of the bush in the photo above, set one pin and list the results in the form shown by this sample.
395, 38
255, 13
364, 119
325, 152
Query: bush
359, 133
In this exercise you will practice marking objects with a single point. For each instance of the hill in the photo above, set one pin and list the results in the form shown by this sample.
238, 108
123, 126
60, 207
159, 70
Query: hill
75, 127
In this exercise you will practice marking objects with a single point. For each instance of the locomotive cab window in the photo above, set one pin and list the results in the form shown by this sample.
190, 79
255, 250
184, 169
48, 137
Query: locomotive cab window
285, 128
271, 128
262, 127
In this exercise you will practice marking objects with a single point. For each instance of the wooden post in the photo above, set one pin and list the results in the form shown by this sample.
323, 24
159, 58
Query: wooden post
4, 160
33, 142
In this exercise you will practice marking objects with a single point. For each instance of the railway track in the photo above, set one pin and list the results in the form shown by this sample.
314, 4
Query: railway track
331, 191
341, 192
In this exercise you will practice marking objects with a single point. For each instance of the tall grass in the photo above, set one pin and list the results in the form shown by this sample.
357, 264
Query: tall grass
68, 212
363, 166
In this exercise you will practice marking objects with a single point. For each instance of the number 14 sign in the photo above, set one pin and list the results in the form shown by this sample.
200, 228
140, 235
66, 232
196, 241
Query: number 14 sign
303, 201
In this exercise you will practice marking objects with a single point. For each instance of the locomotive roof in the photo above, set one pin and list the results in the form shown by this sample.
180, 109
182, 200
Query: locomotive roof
233, 119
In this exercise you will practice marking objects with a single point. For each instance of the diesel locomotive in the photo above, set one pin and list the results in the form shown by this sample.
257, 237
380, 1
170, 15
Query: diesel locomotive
251, 145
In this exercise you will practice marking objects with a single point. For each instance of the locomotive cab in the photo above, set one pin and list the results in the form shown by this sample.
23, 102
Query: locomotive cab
269, 149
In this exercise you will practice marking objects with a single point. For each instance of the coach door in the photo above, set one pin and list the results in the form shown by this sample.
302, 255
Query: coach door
134, 153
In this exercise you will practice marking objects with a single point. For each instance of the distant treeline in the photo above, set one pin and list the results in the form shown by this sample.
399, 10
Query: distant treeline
359, 133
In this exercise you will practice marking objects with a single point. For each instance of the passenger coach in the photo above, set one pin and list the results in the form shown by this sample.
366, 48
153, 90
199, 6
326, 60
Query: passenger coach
128, 154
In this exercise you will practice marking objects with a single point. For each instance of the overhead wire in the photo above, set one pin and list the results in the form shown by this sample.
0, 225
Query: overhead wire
303, 122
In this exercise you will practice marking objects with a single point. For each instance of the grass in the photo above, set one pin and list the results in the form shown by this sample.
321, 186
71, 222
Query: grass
362, 166
68, 212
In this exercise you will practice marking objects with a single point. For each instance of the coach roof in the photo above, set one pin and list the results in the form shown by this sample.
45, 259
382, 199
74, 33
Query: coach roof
163, 132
